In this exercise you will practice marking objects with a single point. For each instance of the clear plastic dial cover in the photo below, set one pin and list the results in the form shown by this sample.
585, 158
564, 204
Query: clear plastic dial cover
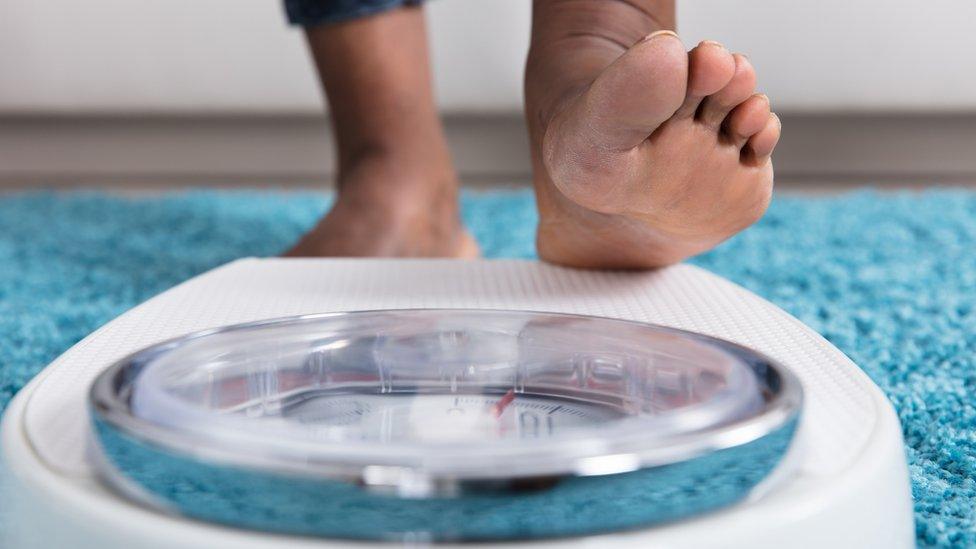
451, 392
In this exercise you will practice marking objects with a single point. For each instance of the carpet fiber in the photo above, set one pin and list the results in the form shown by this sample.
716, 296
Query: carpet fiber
888, 278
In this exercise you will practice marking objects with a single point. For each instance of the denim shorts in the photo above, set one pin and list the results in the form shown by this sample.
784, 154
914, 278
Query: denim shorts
308, 13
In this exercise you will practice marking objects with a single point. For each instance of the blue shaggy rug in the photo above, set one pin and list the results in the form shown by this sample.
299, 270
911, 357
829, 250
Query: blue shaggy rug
888, 278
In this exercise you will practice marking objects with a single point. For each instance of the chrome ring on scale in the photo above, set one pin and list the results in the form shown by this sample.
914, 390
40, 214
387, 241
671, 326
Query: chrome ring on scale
442, 424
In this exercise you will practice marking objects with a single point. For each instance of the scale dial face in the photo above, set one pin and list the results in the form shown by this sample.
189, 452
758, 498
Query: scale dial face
445, 391
442, 424
458, 419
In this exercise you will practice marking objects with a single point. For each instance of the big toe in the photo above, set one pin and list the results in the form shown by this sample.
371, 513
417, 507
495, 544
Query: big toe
710, 68
633, 96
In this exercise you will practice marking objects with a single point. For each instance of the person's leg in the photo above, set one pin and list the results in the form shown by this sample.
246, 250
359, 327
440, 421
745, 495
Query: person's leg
397, 189
643, 154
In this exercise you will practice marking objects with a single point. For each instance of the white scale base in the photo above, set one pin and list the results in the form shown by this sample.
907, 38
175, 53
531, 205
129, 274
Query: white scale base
845, 483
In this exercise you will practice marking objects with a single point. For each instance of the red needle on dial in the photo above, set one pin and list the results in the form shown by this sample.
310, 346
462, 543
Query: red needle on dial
499, 407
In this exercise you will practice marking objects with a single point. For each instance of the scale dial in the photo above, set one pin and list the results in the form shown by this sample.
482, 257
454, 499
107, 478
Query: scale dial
421, 420
456, 419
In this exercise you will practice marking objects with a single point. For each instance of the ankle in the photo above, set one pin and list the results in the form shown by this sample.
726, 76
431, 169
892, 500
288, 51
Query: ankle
398, 187
426, 153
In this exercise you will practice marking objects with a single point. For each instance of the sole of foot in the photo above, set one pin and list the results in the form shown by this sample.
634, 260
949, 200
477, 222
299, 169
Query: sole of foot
665, 154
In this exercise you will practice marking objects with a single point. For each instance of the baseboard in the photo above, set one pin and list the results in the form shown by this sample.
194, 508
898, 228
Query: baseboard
296, 151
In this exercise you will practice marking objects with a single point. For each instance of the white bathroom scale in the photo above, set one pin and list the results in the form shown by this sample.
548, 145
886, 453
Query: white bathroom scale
305, 403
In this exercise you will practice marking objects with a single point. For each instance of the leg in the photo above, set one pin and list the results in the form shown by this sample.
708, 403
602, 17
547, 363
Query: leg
643, 154
397, 189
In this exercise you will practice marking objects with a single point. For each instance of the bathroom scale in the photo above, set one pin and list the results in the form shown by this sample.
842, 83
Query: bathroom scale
318, 403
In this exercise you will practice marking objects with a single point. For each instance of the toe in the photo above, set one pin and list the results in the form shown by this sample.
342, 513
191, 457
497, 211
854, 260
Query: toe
747, 119
635, 94
710, 68
716, 106
760, 146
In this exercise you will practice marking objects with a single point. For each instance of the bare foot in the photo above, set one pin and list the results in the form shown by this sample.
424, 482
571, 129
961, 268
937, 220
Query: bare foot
383, 210
397, 192
658, 155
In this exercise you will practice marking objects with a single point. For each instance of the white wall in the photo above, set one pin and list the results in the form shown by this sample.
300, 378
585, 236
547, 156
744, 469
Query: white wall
180, 56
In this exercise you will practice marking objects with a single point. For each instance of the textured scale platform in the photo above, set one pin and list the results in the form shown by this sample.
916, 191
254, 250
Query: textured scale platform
847, 426
840, 408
